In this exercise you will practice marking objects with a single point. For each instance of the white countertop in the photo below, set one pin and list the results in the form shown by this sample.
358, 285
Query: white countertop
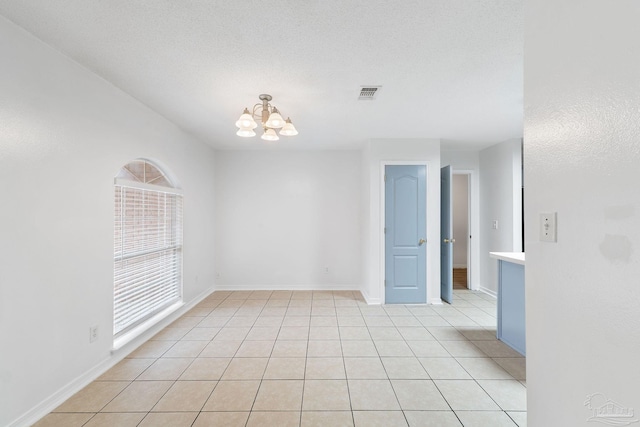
514, 257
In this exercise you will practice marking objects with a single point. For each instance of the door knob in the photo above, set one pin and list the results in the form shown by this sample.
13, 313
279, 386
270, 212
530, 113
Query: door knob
449, 241
421, 242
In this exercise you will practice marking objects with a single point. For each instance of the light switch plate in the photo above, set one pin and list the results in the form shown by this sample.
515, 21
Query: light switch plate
548, 227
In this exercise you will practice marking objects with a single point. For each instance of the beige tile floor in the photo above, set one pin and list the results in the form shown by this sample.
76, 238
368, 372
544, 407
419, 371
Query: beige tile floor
280, 358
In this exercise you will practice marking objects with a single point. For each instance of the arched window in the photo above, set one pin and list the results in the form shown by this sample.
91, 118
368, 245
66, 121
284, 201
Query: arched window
147, 244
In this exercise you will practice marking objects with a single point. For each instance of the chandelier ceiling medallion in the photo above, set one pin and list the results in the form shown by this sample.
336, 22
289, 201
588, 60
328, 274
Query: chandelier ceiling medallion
270, 119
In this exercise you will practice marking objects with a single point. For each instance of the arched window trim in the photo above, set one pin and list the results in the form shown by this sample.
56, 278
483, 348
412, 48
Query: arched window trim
156, 173
147, 250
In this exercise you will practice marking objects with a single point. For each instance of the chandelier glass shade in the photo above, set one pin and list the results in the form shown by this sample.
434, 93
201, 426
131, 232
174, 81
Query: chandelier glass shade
288, 129
270, 119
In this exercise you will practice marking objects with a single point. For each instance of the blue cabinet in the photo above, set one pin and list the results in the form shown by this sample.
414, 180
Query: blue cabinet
511, 305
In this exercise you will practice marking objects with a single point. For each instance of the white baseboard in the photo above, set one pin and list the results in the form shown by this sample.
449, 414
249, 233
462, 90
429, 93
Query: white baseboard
371, 301
56, 399
488, 291
368, 299
258, 287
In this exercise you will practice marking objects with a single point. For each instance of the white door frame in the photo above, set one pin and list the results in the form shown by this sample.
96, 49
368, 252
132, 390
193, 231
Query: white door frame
383, 198
471, 261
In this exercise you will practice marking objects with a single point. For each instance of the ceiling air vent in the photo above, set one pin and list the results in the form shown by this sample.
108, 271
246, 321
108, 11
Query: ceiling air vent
368, 93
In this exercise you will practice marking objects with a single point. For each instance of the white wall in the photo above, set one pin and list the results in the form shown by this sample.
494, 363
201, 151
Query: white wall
465, 161
501, 200
64, 134
460, 203
375, 153
283, 218
582, 151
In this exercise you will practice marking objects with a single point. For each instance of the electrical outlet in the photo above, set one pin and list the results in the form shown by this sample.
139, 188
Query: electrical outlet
548, 227
495, 224
93, 333
326, 270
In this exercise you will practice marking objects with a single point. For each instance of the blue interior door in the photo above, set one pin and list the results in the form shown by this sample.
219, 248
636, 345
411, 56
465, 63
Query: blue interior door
446, 236
405, 234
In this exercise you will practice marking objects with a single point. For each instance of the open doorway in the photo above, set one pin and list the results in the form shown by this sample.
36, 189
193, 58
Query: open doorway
460, 190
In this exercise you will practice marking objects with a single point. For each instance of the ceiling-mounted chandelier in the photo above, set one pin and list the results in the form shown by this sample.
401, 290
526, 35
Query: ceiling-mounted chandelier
270, 119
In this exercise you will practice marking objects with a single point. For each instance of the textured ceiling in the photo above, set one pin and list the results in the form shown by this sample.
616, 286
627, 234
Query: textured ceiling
450, 69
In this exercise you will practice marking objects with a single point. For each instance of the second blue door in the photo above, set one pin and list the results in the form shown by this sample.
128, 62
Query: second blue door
405, 234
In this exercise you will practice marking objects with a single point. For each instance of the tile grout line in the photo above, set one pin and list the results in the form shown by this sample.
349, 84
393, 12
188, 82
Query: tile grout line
218, 381
255, 398
344, 365
225, 369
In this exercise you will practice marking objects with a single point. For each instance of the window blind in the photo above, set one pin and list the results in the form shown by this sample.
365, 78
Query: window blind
147, 254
